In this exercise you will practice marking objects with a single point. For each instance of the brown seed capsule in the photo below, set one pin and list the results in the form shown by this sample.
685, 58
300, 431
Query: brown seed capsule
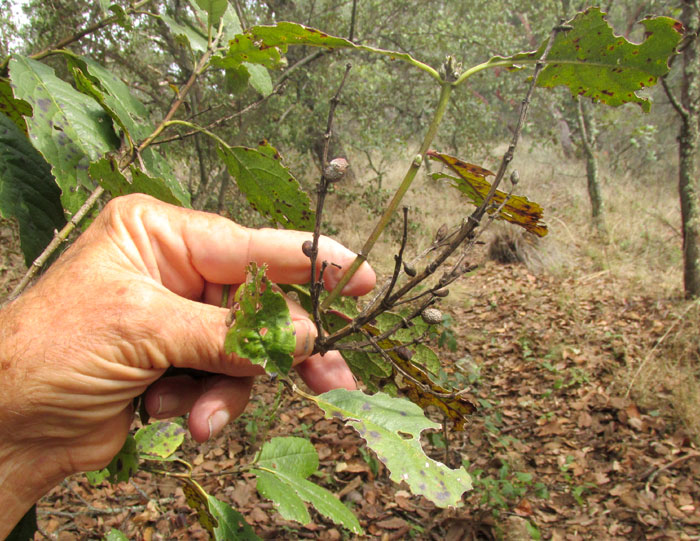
432, 316
404, 353
408, 269
335, 171
307, 248
441, 233
514, 177
442, 292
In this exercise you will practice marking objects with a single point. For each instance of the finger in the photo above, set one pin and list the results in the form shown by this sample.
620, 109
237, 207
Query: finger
172, 396
184, 249
325, 372
222, 401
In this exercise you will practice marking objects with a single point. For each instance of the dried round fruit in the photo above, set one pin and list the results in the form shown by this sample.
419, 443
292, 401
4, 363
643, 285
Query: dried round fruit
335, 170
408, 269
442, 292
307, 248
432, 316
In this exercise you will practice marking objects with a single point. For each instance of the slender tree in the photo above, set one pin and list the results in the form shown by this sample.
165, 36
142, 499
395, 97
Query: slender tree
688, 108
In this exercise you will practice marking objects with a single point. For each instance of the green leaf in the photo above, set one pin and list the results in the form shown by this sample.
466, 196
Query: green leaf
105, 172
289, 454
28, 191
159, 440
592, 61
187, 34
218, 518
392, 428
115, 535
122, 466
68, 128
122, 16
131, 115
263, 331
243, 48
284, 464
231, 524
13, 108
260, 78
283, 34
287, 502
269, 186
215, 10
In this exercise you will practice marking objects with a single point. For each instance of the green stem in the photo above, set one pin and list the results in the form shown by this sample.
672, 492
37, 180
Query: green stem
200, 129
444, 99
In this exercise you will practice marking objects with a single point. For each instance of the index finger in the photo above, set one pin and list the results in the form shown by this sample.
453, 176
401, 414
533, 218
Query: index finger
182, 247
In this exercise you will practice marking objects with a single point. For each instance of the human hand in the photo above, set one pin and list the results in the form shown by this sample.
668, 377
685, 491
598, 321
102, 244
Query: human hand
137, 293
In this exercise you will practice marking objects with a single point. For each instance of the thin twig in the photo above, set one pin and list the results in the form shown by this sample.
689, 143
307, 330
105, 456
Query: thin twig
652, 476
108, 21
58, 238
398, 260
321, 192
466, 230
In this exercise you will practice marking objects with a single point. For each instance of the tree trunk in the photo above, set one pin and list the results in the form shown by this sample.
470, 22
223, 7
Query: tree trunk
687, 149
586, 126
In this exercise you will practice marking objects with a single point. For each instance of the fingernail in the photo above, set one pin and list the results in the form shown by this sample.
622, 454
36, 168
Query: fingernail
217, 422
167, 403
305, 332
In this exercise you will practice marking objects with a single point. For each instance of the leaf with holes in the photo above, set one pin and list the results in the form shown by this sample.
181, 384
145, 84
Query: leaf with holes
392, 428
282, 470
269, 186
471, 181
263, 331
592, 61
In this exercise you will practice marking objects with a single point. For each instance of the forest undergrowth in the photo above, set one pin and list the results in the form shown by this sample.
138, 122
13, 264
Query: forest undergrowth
582, 354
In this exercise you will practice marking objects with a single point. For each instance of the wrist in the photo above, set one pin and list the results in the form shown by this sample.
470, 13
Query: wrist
25, 476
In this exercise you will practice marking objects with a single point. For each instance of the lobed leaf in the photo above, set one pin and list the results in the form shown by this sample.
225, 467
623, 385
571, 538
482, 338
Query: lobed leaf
159, 440
28, 191
263, 331
282, 470
592, 61
392, 428
471, 181
69, 128
269, 186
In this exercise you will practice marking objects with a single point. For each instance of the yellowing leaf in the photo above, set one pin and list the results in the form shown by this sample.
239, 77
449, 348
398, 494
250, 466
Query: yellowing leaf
421, 389
471, 181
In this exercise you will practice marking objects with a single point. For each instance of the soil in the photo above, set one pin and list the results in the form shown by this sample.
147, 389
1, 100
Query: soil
556, 449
